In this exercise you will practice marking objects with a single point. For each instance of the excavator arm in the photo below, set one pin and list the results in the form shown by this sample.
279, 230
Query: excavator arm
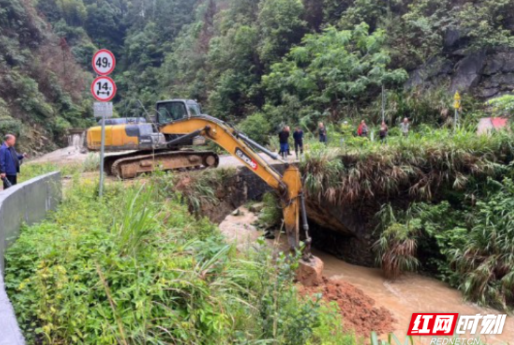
288, 185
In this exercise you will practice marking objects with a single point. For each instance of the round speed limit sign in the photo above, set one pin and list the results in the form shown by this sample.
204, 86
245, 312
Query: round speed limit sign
103, 89
104, 62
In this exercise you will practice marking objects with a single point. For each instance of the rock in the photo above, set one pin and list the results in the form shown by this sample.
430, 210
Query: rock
494, 64
257, 207
468, 71
237, 213
508, 66
455, 39
488, 93
434, 68
502, 81
310, 273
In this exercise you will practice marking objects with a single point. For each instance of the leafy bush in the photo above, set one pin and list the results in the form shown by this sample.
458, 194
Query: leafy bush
256, 127
331, 64
92, 162
502, 106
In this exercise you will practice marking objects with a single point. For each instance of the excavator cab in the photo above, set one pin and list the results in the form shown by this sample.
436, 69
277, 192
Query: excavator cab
176, 109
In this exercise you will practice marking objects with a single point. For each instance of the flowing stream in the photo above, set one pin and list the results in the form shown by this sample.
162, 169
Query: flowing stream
409, 294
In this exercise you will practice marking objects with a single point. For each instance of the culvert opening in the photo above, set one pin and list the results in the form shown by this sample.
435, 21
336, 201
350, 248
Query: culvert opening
345, 247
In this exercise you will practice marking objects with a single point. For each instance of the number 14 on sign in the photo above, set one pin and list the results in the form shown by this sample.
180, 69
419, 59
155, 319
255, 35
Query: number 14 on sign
103, 89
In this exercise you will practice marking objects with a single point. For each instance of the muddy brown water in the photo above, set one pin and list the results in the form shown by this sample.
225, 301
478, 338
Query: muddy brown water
409, 294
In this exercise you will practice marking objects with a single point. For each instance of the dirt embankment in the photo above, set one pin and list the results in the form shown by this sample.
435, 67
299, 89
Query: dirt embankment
358, 309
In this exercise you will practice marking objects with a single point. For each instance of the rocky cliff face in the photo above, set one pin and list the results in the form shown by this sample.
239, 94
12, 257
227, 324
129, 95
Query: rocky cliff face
485, 73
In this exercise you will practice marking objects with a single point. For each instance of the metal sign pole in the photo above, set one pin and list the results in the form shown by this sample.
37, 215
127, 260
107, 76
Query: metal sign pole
456, 105
456, 119
102, 153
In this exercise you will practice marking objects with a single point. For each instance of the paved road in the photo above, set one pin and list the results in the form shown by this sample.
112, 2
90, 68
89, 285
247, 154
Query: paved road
227, 161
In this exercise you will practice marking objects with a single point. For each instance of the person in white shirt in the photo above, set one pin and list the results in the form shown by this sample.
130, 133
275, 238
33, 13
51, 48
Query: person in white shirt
405, 126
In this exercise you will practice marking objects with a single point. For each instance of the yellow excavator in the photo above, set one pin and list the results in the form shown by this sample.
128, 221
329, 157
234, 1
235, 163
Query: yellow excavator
162, 144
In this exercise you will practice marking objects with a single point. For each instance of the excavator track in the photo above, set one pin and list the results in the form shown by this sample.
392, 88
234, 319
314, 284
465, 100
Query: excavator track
131, 165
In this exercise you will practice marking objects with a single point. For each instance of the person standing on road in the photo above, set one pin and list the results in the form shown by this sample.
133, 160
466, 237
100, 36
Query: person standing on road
322, 131
10, 161
383, 131
298, 141
283, 137
405, 127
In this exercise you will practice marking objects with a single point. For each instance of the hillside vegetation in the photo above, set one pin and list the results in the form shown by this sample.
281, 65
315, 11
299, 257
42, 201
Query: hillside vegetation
41, 84
266, 61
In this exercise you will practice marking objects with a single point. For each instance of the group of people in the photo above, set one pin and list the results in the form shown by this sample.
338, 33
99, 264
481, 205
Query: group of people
362, 130
284, 134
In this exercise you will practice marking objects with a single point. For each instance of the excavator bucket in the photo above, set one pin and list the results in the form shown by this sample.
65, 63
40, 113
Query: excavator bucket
310, 270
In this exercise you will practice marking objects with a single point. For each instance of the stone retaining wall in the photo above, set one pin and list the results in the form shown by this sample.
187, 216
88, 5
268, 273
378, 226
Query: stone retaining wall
26, 203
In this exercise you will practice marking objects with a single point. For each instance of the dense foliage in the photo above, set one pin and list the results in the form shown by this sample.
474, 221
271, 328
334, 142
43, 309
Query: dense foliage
136, 268
294, 61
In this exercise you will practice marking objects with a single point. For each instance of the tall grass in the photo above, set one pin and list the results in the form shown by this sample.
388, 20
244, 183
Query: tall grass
397, 245
271, 213
486, 261
136, 268
418, 166
31, 170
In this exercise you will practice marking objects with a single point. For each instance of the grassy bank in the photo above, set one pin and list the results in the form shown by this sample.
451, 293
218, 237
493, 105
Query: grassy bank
136, 268
31, 170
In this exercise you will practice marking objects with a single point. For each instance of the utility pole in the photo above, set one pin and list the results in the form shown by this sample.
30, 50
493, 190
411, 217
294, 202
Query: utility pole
383, 103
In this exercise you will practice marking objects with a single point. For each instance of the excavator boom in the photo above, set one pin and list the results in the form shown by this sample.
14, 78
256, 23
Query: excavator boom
288, 185
161, 146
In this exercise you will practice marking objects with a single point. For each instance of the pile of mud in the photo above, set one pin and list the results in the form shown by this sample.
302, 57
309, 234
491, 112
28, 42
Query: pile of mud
358, 310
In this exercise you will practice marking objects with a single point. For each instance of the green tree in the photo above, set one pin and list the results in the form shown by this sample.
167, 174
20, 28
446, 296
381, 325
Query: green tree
334, 70
281, 25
